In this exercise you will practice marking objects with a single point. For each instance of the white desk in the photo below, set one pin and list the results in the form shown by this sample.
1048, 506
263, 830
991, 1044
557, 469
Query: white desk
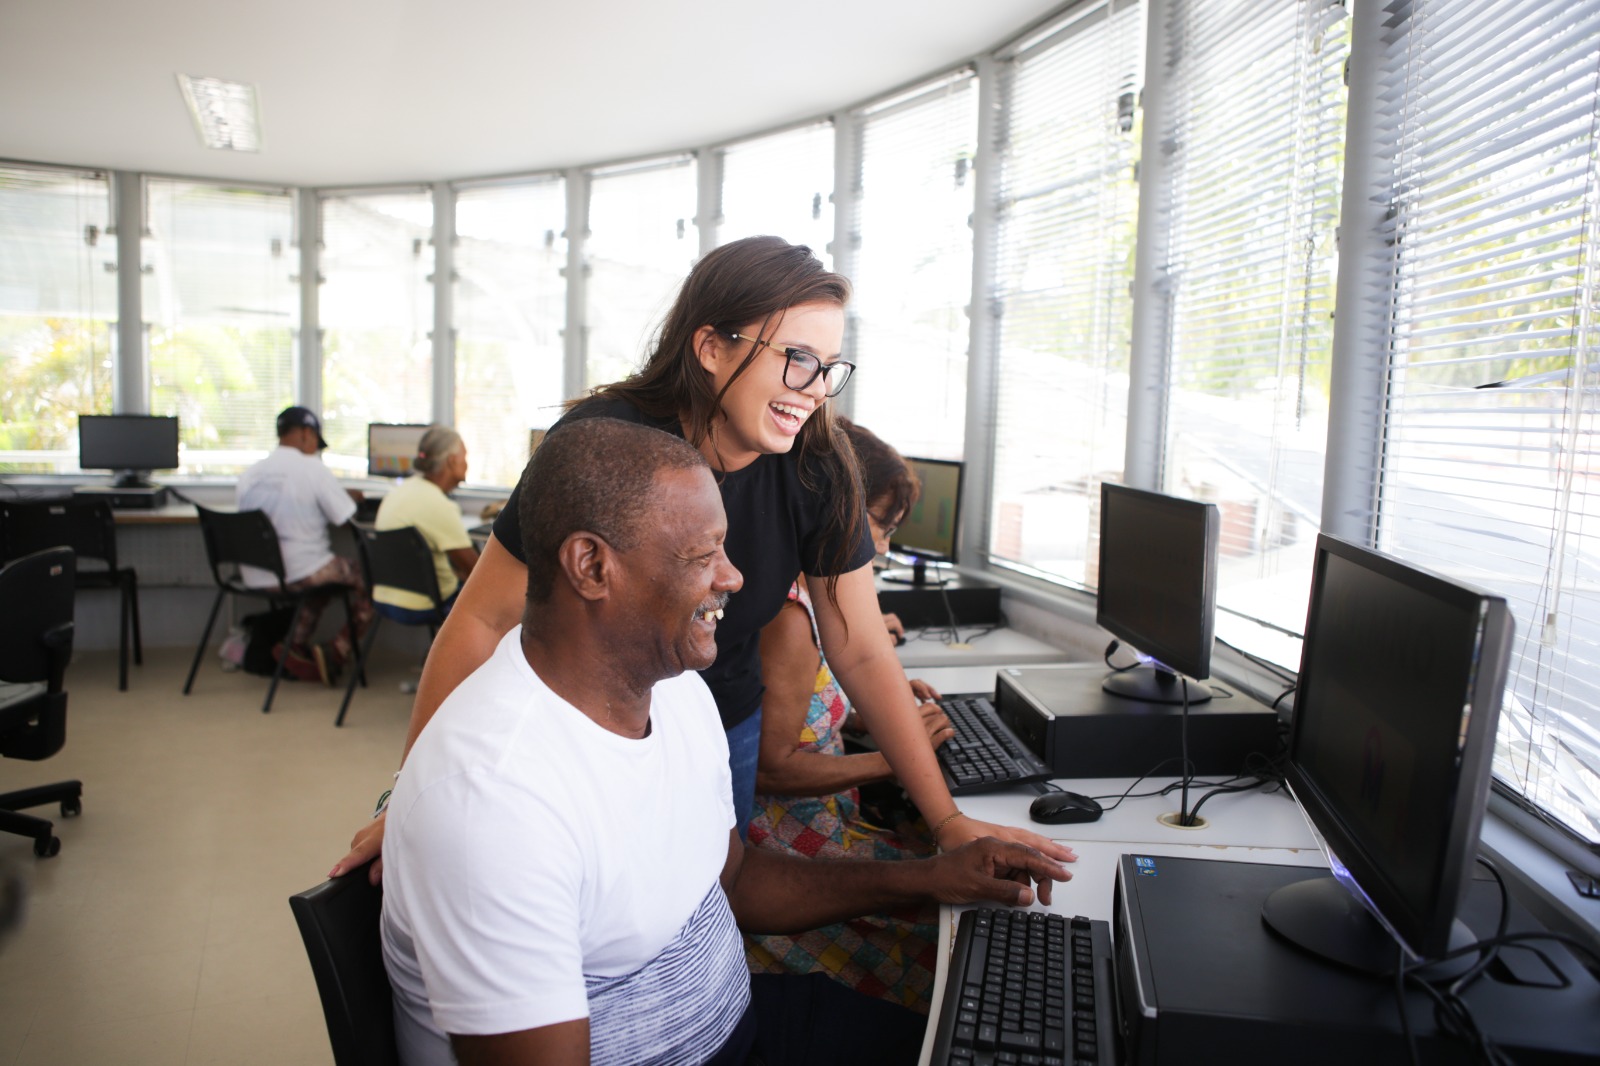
978, 646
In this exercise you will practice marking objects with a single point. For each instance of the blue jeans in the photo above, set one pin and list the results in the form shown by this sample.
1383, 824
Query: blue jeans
744, 747
409, 616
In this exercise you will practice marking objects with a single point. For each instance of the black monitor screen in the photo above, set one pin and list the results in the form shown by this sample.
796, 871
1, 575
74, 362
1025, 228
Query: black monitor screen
928, 530
135, 443
1394, 720
1158, 579
392, 448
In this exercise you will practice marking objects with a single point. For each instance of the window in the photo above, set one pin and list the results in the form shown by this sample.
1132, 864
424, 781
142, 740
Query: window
642, 242
376, 308
913, 272
58, 309
1066, 210
510, 311
222, 299
1490, 434
1256, 106
780, 185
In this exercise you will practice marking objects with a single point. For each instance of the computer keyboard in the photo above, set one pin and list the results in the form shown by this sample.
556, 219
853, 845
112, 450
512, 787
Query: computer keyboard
1027, 987
984, 754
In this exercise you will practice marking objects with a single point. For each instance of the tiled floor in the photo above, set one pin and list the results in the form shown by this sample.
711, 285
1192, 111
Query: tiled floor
161, 933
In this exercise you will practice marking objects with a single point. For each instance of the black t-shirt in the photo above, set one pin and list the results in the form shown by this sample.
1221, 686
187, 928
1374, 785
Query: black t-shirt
774, 532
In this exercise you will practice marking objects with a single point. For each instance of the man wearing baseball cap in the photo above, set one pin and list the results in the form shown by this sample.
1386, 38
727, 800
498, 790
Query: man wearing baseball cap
303, 498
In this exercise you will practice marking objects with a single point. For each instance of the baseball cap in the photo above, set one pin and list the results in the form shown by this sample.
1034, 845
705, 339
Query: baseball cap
294, 417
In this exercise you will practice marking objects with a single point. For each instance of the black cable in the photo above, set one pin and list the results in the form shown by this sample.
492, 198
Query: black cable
1184, 817
1288, 691
1110, 651
1400, 1001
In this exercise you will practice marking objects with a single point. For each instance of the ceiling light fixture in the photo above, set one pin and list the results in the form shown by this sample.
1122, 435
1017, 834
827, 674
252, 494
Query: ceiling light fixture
224, 112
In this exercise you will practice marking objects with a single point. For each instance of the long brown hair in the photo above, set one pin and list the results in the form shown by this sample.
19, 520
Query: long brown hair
756, 280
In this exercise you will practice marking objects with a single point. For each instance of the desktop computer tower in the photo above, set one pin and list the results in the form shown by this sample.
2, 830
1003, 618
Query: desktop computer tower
152, 498
1070, 722
1202, 979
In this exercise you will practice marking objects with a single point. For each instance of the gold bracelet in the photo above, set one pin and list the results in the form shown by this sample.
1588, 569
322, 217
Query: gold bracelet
946, 820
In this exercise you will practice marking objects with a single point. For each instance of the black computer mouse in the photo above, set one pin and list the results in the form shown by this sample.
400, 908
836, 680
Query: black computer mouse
1063, 808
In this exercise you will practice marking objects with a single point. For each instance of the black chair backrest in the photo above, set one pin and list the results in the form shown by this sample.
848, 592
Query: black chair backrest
36, 624
86, 526
235, 539
400, 558
338, 921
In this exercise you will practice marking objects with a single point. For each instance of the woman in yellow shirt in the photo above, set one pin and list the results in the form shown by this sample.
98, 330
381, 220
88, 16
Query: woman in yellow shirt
422, 500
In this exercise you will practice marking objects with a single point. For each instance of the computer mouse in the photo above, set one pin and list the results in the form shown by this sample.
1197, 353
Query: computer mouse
1064, 808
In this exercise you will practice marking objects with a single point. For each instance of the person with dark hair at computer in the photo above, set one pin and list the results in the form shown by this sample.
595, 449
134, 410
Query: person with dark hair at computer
302, 499
423, 500
565, 881
808, 799
742, 369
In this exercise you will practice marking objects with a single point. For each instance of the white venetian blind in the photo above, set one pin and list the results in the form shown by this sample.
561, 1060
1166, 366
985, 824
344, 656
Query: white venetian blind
1067, 206
780, 184
913, 273
510, 311
642, 242
58, 310
376, 307
1490, 442
222, 299
1255, 146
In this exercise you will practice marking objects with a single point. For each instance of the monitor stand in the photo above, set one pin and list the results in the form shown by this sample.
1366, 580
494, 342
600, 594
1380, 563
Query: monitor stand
1153, 684
921, 574
1321, 916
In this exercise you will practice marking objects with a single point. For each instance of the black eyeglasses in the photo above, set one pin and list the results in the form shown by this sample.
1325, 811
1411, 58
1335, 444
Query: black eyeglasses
801, 363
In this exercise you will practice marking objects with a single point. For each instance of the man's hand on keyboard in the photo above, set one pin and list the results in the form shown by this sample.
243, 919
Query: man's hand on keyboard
990, 870
962, 829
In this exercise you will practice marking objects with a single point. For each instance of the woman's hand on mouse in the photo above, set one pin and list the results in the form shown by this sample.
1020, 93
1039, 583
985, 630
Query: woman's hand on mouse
961, 829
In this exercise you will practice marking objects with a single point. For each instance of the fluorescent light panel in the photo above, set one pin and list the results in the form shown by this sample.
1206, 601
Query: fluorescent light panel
224, 112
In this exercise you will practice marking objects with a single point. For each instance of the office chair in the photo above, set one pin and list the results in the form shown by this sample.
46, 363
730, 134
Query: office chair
338, 921
246, 538
399, 558
89, 529
35, 645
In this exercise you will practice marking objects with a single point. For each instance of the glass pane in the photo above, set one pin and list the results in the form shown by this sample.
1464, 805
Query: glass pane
377, 316
222, 300
780, 185
913, 273
510, 308
58, 312
642, 242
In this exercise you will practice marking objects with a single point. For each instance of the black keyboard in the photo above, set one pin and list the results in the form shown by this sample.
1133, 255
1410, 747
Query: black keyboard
1027, 987
984, 754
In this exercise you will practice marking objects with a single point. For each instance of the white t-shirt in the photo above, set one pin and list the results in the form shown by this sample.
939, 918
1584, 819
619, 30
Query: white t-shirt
303, 498
416, 501
540, 869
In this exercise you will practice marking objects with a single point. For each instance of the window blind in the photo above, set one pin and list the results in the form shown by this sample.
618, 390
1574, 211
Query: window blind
1490, 432
510, 311
376, 308
1255, 142
222, 300
642, 242
913, 273
58, 309
1067, 205
781, 184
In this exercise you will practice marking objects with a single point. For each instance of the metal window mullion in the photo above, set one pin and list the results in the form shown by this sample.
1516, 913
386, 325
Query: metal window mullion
575, 335
444, 326
131, 387
308, 353
983, 352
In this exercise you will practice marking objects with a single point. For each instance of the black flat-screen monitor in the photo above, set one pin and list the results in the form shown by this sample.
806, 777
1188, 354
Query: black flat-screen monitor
392, 448
1158, 591
926, 536
132, 445
1401, 678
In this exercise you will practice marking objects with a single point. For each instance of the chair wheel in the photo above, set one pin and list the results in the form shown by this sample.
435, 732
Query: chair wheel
45, 847
71, 808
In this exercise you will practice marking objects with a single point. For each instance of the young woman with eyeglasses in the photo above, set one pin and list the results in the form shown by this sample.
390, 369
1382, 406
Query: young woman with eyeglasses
742, 369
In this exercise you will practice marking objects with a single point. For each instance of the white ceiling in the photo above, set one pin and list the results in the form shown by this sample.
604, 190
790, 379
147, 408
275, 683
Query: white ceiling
372, 91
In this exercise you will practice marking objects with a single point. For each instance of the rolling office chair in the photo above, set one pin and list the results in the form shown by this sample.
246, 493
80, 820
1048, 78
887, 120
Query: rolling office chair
399, 558
89, 529
35, 645
246, 538
338, 921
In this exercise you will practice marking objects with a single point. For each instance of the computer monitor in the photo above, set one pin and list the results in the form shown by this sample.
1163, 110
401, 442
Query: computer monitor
392, 448
1401, 678
926, 536
1158, 591
132, 445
